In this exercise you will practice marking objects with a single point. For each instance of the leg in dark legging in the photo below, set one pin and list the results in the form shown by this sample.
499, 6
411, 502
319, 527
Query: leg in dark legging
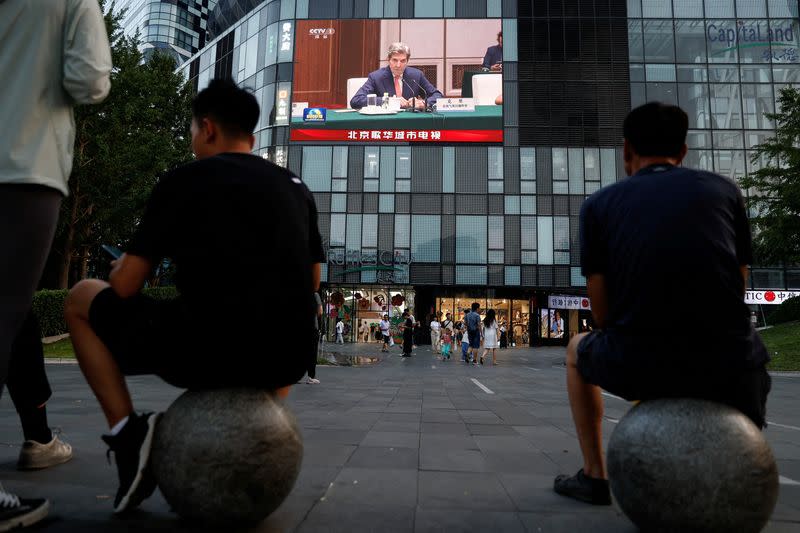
312, 360
27, 381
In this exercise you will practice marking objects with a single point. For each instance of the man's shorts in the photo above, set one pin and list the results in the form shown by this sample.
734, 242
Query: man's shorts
474, 339
147, 336
601, 362
386, 339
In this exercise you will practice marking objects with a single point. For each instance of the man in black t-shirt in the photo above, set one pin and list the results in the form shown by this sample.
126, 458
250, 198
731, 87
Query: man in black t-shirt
242, 234
651, 244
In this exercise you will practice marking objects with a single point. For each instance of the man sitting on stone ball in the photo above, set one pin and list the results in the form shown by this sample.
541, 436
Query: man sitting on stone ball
242, 233
651, 246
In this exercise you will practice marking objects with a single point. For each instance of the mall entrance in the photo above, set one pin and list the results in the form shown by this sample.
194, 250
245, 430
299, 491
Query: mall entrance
513, 314
360, 309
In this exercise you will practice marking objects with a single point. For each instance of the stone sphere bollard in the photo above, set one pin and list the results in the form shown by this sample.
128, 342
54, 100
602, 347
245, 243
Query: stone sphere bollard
692, 465
226, 457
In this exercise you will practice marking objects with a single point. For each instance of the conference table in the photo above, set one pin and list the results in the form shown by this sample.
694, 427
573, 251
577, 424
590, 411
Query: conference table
485, 117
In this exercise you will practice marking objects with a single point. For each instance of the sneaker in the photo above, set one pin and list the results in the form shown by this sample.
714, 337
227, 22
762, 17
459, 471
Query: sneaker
584, 488
312, 381
131, 448
17, 512
481, 360
35, 455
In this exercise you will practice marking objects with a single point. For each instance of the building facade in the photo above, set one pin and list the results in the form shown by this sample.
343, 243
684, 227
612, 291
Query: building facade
175, 27
435, 227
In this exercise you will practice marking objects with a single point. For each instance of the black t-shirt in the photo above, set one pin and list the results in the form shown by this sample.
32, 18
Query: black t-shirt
670, 243
243, 235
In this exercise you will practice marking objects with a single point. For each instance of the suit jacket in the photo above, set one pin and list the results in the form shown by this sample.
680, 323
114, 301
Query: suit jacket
494, 55
381, 81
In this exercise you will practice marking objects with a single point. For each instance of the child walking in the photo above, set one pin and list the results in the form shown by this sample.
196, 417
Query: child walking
447, 340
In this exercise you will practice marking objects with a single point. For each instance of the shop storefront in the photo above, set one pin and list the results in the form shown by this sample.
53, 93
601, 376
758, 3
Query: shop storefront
360, 309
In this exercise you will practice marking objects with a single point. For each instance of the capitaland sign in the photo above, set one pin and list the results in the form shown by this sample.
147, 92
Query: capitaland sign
778, 41
368, 258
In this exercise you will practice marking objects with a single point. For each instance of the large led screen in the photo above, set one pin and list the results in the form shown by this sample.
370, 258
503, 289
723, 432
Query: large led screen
398, 81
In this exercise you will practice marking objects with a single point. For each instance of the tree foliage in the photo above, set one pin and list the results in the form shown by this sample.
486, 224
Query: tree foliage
775, 188
122, 145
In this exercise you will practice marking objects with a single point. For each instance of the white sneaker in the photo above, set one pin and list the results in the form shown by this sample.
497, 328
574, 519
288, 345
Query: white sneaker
34, 455
312, 381
18, 512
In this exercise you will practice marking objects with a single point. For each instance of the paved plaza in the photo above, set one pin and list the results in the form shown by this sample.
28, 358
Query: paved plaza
400, 445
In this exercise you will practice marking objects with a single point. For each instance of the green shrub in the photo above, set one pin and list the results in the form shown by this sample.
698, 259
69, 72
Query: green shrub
48, 305
788, 311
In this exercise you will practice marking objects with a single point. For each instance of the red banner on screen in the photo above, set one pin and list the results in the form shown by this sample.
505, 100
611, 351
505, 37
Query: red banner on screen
372, 136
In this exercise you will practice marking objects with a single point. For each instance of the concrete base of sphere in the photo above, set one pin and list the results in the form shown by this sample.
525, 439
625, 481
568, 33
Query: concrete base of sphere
228, 456
692, 465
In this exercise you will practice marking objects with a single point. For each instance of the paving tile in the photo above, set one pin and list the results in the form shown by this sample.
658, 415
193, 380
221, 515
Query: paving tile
397, 439
330, 517
384, 458
441, 427
451, 459
437, 520
462, 490
357, 486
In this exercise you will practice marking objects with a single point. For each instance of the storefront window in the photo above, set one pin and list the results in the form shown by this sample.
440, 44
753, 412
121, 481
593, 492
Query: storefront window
360, 309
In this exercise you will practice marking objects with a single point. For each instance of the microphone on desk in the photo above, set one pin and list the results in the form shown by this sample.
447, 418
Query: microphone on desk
414, 98
421, 88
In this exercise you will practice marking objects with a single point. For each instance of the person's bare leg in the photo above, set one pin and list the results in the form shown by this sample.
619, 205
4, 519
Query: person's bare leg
587, 413
494, 356
98, 366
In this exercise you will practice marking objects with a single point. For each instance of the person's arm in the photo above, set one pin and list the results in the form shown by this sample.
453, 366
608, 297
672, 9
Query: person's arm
316, 275
359, 99
745, 277
128, 274
487, 58
596, 284
86, 53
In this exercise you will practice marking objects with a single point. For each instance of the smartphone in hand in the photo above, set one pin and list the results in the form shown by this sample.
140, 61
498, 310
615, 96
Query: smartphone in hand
113, 251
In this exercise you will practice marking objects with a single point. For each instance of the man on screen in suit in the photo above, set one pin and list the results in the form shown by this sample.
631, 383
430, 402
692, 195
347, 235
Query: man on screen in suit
398, 79
493, 60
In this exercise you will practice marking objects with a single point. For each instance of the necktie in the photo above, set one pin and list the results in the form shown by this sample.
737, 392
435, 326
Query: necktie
398, 87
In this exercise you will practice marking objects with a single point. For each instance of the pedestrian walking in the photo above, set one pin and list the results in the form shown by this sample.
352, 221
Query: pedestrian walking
489, 335
339, 331
436, 330
384, 327
408, 334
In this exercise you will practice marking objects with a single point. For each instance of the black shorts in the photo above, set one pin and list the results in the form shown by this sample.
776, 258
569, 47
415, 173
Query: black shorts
601, 362
386, 339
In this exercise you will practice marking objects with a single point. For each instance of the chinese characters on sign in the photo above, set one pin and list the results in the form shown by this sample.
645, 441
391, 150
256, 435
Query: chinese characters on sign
286, 37
786, 55
393, 135
569, 302
775, 297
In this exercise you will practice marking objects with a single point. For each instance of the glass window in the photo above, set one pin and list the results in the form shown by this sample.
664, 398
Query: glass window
688, 8
757, 102
496, 257
698, 139
545, 240
339, 169
592, 163
403, 162
527, 163
271, 56
693, 98
662, 92
528, 240
635, 43
723, 74
529, 257
386, 203
375, 9
783, 8
728, 139
660, 72
512, 205
692, 73
753, 42
371, 185
402, 231
428, 9
576, 278
656, 9
388, 165
496, 186
512, 275
634, 8
729, 163
338, 203
576, 163
285, 53
369, 238
636, 72
726, 106
659, 41
471, 239
448, 169
757, 73
353, 241
690, 40
495, 163
425, 238
608, 166
338, 223
560, 164
719, 8
561, 233
316, 170
721, 35
496, 233
470, 275
527, 205
371, 161
751, 8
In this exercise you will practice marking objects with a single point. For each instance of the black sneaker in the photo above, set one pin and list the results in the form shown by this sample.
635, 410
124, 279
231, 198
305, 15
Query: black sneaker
584, 488
131, 448
19, 512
